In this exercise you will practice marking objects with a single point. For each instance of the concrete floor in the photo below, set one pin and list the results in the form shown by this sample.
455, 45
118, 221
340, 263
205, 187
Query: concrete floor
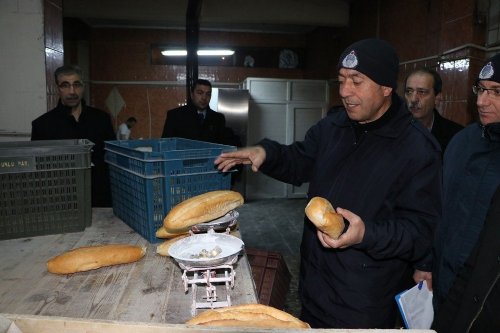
276, 225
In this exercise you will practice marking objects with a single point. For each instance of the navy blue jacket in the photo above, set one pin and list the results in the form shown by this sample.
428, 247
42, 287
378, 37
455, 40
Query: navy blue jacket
473, 301
391, 177
471, 174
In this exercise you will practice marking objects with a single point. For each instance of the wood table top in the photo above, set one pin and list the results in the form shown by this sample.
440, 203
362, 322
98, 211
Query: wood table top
150, 290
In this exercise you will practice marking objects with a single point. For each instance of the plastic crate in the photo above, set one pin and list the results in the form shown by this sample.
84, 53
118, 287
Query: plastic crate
149, 177
271, 275
45, 187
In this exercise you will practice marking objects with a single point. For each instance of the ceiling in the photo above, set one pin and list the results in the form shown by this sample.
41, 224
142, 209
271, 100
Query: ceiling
289, 16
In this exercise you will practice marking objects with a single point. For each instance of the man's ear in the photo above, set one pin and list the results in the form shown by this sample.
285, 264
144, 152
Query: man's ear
386, 90
438, 100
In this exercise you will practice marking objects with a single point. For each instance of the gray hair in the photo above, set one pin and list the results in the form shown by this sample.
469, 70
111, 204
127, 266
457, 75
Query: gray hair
68, 70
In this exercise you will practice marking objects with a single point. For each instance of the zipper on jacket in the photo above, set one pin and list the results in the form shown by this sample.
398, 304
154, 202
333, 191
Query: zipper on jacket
482, 304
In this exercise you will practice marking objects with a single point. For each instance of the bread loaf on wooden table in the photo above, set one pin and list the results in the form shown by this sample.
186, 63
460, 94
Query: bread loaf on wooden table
162, 249
248, 315
163, 233
93, 257
201, 208
321, 212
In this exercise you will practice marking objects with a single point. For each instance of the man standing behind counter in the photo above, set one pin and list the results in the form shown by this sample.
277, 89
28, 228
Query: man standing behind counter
422, 90
196, 121
383, 168
73, 119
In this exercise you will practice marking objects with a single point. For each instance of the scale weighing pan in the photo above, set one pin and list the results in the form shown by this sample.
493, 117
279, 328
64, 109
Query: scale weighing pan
220, 224
186, 251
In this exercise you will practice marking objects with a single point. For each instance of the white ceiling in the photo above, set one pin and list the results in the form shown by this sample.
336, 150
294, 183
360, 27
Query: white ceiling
230, 15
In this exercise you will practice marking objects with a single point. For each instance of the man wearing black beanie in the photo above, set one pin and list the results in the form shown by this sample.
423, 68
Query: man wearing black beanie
381, 169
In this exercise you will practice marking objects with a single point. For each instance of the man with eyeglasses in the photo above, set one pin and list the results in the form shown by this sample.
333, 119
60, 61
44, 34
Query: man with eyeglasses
422, 91
466, 285
73, 119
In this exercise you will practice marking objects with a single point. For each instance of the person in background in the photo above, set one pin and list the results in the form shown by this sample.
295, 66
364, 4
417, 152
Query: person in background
196, 121
382, 169
473, 302
471, 175
124, 129
73, 119
422, 90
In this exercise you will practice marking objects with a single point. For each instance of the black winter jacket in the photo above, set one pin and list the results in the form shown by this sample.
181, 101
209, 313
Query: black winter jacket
183, 122
473, 302
94, 125
390, 176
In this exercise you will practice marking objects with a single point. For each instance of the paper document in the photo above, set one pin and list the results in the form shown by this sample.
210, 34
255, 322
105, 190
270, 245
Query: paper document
415, 305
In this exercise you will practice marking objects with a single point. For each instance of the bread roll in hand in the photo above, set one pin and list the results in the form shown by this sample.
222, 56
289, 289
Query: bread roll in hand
201, 208
93, 257
321, 212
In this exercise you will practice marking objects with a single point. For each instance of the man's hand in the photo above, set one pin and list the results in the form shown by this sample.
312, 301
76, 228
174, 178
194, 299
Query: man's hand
254, 156
419, 276
354, 234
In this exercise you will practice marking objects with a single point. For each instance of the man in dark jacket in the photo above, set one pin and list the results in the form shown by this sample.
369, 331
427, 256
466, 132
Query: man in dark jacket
72, 119
422, 90
382, 169
471, 175
473, 302
196, 120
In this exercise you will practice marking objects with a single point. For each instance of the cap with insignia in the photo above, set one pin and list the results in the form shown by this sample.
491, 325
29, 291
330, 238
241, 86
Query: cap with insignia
373, 57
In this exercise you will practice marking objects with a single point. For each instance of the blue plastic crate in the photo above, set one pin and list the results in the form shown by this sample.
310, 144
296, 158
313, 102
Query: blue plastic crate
149, 177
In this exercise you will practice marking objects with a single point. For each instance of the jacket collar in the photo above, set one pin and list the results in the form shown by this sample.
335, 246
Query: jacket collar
390, 125
491, 132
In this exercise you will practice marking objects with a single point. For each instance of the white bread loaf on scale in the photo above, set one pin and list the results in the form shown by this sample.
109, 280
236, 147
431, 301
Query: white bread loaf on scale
322, 214
93, 257
201, 208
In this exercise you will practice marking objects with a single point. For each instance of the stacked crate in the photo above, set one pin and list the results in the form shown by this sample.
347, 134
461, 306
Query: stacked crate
45, 187
271, 276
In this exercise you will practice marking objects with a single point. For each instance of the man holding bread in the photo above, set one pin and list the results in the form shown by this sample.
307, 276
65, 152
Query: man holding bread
381, 170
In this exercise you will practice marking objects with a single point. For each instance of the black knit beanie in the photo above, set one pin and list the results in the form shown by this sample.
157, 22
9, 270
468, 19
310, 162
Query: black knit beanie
375, 58
491, 71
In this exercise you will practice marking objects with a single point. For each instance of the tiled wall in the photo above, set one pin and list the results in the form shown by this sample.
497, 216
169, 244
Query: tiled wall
54, 51
121, 60
433, 33
444, 35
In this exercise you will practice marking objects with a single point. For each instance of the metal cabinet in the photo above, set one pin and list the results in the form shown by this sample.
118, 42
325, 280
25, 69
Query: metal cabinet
281, 110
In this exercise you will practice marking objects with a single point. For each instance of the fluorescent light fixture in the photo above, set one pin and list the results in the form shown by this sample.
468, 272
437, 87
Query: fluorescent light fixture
215, 52
183, 53
174, 53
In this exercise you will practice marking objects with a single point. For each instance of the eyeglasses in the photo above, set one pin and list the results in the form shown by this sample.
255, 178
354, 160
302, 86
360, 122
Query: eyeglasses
420, 92
478, 90
67, 86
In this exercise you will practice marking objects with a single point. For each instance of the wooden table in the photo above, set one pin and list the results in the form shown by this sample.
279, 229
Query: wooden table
150, 290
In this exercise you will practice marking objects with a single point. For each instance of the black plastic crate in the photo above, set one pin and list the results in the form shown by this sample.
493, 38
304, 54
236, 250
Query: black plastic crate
45, 187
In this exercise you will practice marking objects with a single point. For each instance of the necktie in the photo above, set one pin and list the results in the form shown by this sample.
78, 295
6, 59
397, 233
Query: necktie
201, 117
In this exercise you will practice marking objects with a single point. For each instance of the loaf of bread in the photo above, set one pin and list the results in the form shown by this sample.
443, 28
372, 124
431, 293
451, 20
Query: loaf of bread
163, 233
321, 212
248, 315
162, 249
201, 208
93, 257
